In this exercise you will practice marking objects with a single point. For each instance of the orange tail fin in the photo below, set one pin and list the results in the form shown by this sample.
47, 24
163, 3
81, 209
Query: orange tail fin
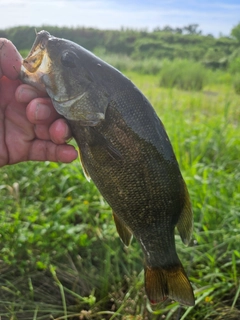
173, 283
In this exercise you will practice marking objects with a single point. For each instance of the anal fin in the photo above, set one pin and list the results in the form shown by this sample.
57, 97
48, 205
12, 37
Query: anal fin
123, 231
185, 222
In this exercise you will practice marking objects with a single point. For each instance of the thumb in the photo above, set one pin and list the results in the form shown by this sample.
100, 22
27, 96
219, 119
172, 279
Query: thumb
10, 59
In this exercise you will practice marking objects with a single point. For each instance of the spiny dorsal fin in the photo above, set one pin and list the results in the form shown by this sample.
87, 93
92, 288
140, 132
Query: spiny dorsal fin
185, 222
124, 233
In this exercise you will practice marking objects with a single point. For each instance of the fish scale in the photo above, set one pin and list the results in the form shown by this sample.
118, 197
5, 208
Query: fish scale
125, 150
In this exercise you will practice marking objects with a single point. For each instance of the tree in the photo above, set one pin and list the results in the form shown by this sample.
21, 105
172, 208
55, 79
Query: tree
236, 32
179, 30
167, 29
192, 29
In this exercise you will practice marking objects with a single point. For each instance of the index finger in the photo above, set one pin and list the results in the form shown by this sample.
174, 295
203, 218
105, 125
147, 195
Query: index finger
10, 59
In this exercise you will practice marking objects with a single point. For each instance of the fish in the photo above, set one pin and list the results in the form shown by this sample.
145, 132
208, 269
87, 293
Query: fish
125, 150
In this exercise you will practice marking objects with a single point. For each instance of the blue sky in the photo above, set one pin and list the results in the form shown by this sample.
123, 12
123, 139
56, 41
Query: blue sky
213, 17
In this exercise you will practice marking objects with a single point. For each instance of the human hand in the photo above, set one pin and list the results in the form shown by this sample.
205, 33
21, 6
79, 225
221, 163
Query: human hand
30, 128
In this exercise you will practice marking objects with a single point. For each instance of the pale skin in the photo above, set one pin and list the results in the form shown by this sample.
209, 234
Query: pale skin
30, 128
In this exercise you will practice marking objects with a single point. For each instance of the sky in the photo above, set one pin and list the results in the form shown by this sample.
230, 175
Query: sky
213, 17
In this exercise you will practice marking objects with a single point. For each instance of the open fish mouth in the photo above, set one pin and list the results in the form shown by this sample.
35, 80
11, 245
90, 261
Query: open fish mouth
38, 52
35, 66
37, 57
34, 60
39, 61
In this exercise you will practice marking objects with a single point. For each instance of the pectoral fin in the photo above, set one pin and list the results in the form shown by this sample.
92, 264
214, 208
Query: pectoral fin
124, 233
100, 140
185, 222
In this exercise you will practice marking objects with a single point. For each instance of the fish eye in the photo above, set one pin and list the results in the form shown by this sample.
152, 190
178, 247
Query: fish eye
68, 59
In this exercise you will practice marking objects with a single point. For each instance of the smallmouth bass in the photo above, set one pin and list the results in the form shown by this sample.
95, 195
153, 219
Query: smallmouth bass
125, 150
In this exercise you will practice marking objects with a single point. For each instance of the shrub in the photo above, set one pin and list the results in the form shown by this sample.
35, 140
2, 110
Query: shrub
126, 63
183, 74
147, 66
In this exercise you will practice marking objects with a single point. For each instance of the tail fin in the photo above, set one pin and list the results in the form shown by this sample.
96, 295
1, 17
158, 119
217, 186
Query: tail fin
173, 283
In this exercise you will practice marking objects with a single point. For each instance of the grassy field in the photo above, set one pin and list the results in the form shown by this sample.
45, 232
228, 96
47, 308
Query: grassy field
61, 257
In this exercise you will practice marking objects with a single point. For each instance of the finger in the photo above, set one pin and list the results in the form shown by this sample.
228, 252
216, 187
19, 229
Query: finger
48, 151
10, 59
41, 111
26, 93
42, 132
2, 41
59, 131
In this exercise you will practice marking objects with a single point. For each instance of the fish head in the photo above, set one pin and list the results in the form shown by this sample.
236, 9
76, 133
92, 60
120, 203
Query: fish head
63, 69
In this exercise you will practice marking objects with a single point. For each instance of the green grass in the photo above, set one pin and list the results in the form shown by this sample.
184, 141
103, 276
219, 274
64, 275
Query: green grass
61, 256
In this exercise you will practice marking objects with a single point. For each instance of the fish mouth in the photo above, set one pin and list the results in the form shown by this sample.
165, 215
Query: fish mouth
34, 60
37, 63
38, 54
33, 70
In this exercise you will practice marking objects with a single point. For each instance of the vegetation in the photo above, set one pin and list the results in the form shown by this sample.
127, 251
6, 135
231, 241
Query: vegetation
166, 43
152, 52
61, 257
236, 32
183, 74
236, 83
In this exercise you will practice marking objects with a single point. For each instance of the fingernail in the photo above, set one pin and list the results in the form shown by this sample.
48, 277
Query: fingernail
42, 112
